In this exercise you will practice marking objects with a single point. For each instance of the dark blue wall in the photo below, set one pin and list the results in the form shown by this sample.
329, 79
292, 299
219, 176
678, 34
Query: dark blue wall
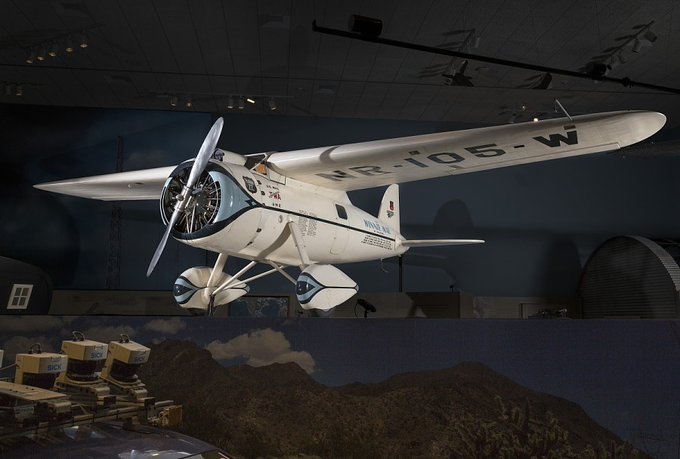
541, 221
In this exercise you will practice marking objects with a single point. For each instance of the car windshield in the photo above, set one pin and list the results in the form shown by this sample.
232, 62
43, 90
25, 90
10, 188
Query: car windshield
109, 440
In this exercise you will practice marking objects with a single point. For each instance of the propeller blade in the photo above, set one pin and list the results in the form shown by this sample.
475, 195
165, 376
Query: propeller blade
207, 149
164, 240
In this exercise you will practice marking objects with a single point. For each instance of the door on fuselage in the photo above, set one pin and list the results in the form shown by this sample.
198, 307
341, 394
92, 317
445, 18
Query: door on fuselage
341, 233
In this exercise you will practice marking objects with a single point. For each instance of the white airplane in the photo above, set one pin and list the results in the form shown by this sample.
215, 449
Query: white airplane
292, 209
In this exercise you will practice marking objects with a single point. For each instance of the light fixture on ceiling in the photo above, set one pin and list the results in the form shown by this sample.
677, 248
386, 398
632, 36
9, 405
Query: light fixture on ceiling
230, 102
650, 36
53, 50
82, 42
250, 100
173, 101
19, 90
272, 104
637, 45
189, 102
241, 103
68, 44
42, 52
368, 27
30, 56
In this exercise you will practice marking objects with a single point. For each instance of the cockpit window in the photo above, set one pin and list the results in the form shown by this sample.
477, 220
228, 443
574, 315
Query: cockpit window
342, 212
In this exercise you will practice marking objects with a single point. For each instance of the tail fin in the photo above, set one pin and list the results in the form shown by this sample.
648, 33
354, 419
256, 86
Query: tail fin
389, 208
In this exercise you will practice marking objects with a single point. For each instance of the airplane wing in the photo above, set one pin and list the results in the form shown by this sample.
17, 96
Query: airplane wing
384, 162
123, 186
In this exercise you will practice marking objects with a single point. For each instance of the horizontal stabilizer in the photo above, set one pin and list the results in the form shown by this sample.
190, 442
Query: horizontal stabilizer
436, 242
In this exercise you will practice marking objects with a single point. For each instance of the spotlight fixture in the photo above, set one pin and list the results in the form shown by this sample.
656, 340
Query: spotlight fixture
637, 45
650, 36
40, 55
241, 104
250, 100
83, 40
53, 50
69, 44
19, 90
272, 104
173, 101
368, 307
30, 56
230, 102
189, 102
368, 27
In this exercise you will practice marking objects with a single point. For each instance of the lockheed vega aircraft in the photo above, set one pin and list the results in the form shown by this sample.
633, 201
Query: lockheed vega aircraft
292, 209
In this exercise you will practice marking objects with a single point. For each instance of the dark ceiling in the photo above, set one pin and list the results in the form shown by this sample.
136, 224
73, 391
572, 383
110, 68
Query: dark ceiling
146, 54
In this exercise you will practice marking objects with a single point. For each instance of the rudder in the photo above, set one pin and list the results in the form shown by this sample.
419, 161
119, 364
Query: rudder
389, 208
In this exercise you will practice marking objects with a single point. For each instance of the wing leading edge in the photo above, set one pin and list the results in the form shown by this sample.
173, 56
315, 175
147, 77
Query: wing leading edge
384, 162
123, 186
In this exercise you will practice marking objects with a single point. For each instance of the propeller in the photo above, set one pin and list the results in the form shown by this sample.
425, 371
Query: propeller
201, 161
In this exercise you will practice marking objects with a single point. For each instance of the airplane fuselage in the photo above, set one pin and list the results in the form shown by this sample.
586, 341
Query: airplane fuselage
333, 230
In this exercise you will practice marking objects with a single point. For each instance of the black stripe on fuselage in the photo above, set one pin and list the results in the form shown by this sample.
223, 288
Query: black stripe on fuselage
286, 211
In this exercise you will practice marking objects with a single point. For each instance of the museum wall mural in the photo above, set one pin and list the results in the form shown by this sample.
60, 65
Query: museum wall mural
401, 388
541, 221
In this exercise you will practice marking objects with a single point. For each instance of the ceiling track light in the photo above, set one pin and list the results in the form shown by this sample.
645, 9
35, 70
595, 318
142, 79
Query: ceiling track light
250, 100
173, 101
19, 90
189, 102
272, 104
82, 42
230, 102
637, 45
53, 50
241, 103
42, 52
68, 45
30, 56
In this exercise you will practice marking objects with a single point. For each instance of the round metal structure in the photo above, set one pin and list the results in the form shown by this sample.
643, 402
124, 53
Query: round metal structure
631, 276
202, 203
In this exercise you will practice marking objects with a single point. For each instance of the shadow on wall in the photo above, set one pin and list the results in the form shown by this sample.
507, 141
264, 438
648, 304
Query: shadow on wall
31, 221
561, 267
512, 262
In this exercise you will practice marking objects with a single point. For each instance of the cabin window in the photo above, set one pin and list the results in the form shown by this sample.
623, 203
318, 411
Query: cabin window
342, 213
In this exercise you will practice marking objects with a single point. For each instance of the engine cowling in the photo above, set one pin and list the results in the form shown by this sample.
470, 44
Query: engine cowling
191, 291
324, 287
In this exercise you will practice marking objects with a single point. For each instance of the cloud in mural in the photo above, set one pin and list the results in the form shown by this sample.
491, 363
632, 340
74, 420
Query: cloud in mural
166, 326
18, 324
21, 344
104, 333
260, 348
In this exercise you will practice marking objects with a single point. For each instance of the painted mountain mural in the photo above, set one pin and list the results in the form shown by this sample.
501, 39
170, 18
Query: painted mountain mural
468, 411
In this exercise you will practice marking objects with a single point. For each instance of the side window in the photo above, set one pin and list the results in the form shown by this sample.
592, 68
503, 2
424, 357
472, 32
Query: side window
342, 213
20, 296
